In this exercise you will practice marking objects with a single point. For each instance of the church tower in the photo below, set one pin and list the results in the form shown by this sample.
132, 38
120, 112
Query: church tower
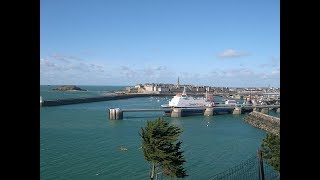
178, 83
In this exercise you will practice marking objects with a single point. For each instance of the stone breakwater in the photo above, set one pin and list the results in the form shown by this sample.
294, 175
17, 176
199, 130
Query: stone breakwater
263, 121
59, 102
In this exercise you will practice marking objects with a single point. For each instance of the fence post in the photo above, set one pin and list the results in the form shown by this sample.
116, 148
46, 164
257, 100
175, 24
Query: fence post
260, 165
157, 175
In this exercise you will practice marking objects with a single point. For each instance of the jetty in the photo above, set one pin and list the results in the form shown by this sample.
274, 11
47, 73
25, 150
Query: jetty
117, 113
59, 102
264, 121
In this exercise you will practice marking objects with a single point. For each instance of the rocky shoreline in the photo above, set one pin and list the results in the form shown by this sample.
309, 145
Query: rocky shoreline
263, 121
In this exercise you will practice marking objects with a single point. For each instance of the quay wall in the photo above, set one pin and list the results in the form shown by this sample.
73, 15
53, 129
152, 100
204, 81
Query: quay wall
59, 102
264, 121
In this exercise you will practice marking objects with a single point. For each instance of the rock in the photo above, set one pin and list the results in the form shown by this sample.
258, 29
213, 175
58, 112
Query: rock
68, 88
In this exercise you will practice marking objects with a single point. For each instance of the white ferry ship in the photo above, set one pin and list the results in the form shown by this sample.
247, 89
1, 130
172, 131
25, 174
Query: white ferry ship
181, 100
189, 103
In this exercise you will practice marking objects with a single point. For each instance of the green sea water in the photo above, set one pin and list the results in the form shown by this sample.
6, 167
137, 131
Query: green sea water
80, 142
47, 92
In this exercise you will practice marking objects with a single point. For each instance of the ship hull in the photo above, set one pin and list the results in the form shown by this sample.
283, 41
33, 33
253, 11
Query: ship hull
186, 112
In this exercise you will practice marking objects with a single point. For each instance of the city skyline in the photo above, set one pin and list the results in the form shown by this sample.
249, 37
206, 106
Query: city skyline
215, 43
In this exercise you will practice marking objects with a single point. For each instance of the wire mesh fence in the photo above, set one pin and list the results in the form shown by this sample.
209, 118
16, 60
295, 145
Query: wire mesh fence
245, 170
269, 172
248, 170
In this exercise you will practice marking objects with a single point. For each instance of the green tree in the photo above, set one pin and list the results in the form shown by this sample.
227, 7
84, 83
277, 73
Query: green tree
271, 150
161, 149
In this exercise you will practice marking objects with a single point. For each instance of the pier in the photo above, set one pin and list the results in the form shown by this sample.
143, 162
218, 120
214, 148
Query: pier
117, 113
59, 102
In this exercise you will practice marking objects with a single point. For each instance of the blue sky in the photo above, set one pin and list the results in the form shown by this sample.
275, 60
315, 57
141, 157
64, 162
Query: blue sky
126, 42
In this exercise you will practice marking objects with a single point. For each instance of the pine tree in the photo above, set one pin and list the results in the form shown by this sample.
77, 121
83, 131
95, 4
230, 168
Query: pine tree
161, 149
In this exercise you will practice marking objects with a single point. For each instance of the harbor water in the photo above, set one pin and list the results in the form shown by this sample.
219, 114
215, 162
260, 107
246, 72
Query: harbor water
80, 142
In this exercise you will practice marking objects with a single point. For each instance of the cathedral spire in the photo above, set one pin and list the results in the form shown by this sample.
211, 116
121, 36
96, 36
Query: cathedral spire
178, 83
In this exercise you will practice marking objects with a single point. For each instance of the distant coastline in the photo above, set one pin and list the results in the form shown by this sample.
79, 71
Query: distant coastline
68, 88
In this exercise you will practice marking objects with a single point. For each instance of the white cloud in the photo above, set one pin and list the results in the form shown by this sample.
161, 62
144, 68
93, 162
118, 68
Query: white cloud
156, 68
241, 77
154, 71
127, 71
276, 71
64, 58
271, 63
47, 63
60, 69
232, 53
66, 70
